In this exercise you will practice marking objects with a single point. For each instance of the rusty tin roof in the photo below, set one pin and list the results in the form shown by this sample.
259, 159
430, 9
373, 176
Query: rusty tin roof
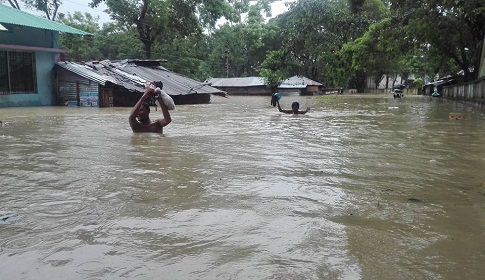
134, 74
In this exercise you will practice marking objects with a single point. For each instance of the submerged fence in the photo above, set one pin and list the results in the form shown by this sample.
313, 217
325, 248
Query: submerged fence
405, 91
472, 91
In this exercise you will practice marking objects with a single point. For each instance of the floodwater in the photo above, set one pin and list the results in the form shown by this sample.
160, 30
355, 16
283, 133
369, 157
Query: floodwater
362, 187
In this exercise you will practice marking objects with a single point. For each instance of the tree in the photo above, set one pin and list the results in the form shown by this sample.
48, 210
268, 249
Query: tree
109, 42
316, 31
185, 56
373, 53
48, 7
79, 47
14, 4
451, 29
238, 49
166, 19
242, 47
274, 66
117, 42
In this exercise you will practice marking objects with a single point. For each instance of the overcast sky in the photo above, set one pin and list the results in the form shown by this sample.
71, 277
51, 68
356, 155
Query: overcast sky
72, 6
82, 6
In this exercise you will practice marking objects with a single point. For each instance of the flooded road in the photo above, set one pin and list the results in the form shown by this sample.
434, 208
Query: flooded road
361, 187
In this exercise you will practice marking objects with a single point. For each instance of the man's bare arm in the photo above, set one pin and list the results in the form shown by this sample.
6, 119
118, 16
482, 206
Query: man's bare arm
283, 111
304, 112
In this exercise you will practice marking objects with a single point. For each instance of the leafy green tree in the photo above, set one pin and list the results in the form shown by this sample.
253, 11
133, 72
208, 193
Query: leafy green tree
316, 31
48, 7
79, 47
165, 19
274, 66
241, 47
373, 53
185, 56
237, 50
115, 42
109, 42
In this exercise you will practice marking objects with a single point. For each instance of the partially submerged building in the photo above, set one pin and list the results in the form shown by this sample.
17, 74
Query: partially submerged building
121, 83
31, 73
256, 86
301, 85
29, 49
240, 86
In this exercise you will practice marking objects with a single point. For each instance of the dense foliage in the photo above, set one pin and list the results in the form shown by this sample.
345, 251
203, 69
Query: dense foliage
336, 42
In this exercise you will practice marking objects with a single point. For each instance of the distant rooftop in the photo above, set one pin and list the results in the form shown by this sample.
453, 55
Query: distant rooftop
236, 82
298, 82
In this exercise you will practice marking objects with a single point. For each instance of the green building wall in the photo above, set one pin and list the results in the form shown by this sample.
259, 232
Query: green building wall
32, 39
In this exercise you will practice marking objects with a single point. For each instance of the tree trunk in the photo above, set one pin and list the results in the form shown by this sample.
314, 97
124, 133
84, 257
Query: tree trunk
148, 49
358, 81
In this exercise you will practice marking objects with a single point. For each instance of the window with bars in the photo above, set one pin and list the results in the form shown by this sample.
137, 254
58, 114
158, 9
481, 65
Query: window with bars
17, 72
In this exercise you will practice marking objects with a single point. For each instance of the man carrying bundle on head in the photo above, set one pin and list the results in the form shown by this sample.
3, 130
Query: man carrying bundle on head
140, 114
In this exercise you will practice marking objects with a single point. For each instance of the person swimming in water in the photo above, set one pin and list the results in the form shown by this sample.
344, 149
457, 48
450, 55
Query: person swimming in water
295, 106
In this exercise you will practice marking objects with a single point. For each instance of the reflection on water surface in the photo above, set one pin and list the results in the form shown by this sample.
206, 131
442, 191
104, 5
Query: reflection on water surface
362, 187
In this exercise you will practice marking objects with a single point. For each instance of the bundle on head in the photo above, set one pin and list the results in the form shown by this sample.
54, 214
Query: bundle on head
158, 84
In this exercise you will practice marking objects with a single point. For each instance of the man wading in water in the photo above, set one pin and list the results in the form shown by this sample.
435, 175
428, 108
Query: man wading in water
140, 114
295, 106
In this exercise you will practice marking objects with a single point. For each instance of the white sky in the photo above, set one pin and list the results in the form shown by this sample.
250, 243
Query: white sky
82, 6
278, 7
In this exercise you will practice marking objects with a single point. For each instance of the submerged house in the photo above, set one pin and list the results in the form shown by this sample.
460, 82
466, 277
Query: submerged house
300, 85
240, 86
256, 86
122, 83
29, 49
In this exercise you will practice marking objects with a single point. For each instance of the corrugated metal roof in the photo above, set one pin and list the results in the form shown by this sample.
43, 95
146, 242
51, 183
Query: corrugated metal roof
132, 76
441, 82
10, 15
293, 82
236, 82
298, 82
85, 71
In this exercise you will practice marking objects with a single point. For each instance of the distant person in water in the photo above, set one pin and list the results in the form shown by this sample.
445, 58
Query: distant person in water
140, 114
295, 106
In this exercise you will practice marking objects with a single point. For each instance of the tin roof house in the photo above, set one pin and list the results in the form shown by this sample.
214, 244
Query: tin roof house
122, 83
240, 86
29, 49
256, 86
301, 85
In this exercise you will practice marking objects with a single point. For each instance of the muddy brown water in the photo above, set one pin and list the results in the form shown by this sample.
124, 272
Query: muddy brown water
362, 187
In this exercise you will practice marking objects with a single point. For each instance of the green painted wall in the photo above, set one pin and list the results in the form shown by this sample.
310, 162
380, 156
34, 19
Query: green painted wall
45, 62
